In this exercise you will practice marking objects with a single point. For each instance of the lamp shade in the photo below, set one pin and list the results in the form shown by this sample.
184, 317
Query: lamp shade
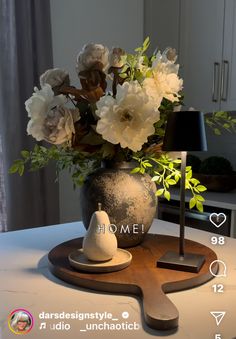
185, 131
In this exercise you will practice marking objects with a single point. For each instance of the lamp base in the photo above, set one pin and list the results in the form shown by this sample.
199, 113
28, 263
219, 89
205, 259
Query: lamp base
189, 262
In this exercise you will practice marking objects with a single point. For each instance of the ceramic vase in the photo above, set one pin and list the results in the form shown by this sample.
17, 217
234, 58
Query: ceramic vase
128, 199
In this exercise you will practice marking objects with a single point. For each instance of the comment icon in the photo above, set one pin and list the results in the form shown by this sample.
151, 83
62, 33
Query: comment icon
221, 272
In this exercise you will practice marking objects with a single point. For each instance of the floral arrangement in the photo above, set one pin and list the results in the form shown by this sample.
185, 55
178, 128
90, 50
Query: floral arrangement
120, 113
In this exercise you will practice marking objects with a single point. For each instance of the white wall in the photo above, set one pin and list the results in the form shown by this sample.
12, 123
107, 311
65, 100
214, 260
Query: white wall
75, 23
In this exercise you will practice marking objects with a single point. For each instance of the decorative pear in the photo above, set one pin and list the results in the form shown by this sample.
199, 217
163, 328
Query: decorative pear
99, 243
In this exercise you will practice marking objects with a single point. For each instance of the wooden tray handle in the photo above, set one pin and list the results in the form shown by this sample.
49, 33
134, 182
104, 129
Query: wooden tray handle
160, 313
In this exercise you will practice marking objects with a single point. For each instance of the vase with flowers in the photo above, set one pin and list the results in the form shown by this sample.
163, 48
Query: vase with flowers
120, 125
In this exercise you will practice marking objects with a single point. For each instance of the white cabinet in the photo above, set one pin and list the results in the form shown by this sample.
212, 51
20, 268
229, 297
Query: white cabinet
207, 50
204, 34
229, 57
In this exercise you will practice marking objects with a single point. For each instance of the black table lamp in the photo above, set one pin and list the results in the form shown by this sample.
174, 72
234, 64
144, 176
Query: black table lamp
185, 131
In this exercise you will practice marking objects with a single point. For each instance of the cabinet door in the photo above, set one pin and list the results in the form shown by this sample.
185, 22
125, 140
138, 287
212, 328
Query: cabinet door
161, 23
201, 42
228, 75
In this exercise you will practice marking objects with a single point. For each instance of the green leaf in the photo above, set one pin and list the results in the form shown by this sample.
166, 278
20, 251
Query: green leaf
142, 170
146, 41
123, 75
199, 198
188, 168
159, 192
145, 60
217, 131
177, 174
167, 195
14, 168
171, 165
25, 154
21, 169
194, 181
149, 73
148, 164
177, 177
189, 174
135, 170
124, 69
177, 161
156, 178
199, 206
201, 188
221, 114
192, 202
171, 182
153, 57
187, 186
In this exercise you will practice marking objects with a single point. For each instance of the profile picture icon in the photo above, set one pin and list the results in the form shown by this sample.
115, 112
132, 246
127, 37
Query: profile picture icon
20, 321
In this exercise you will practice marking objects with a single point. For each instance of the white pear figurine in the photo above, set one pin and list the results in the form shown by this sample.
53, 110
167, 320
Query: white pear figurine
99, 243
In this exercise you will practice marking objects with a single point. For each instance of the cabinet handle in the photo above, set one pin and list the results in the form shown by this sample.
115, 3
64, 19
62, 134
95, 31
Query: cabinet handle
215, 84
225, 80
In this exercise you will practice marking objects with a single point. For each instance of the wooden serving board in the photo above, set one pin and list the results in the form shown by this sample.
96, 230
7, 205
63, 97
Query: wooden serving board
142, 277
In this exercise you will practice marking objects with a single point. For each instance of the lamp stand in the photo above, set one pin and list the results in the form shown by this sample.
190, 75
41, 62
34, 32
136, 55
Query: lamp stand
182, 261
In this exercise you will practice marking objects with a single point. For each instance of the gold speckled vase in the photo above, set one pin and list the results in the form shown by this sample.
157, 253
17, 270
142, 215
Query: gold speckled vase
129, 200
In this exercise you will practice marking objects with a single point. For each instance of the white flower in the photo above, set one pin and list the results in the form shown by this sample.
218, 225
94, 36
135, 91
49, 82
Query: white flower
115, 57
42, 101
54, 77
129, 118
90, 55
164, 80
50, 120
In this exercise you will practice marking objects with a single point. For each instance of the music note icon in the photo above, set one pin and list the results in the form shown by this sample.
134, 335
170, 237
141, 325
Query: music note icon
42, 326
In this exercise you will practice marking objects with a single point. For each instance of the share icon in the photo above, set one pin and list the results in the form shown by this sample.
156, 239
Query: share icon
218, 315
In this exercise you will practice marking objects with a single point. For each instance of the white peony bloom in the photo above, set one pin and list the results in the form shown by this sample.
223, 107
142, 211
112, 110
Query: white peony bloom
42, 101
54, 77
115, 59
50, 120
57, 127
90, 55
129, 118
164, 80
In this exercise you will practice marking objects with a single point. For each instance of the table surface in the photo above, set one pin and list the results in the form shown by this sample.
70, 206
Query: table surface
26, 282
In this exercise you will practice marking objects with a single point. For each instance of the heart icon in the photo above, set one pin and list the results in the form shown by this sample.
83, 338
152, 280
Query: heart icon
217, 219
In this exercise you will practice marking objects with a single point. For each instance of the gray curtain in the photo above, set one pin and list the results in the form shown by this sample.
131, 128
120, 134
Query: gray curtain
26, 52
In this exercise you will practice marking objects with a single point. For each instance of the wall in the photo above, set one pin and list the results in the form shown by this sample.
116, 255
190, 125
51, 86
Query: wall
75, 23
161, 23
